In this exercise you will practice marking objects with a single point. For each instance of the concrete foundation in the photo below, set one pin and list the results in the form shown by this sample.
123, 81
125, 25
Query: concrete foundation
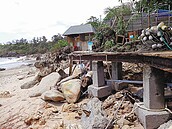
151, 119
153, 83
99, 92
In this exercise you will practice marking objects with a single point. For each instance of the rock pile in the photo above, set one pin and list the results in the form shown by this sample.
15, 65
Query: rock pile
115, 112
121, 111
53, 81
132, 71
5, 94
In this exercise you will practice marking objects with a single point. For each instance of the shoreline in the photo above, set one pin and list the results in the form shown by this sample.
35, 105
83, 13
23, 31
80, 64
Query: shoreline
14, 62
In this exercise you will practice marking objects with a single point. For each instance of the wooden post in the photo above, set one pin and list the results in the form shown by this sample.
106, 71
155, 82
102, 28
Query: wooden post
70, 65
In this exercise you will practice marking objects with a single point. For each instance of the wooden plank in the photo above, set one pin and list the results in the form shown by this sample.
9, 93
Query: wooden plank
158, 60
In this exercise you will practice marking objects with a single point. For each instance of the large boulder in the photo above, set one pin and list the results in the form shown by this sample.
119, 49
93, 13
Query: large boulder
71, 90
67, 79
76, 69
53, 95
93, 117
46, 84
30, 84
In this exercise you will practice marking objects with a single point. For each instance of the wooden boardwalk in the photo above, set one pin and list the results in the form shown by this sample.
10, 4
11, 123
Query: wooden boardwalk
161, 60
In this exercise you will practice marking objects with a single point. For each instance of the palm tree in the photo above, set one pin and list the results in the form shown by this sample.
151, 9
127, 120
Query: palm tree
94, 21
111, 14
116, 15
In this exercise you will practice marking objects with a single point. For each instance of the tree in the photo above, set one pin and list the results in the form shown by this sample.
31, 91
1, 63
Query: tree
44, 39
116, 15
152, 5
34, 40
56, 38
94, 22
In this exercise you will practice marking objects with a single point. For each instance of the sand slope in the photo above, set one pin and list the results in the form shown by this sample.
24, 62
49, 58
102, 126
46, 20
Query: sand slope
19, 111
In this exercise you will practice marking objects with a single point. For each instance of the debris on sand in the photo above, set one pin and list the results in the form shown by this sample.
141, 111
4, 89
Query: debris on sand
5, 94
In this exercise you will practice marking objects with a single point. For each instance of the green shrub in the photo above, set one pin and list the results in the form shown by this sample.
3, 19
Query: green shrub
60, 44
108, 44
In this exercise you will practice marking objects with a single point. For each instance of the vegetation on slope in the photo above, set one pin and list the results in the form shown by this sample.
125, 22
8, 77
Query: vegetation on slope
36, 45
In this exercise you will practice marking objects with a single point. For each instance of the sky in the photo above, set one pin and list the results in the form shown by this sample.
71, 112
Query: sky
36, 18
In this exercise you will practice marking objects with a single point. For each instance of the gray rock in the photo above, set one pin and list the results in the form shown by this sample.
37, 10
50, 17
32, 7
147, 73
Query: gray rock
29, 84
94, 117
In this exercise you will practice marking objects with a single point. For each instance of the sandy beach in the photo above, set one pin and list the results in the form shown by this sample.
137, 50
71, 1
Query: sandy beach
15, 104
19, 111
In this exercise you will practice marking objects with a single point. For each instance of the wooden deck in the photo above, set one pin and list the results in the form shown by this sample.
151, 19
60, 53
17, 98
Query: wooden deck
160, 60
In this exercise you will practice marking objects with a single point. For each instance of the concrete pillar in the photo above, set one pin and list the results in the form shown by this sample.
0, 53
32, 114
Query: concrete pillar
116, 71
153, 85
98, 89
116, 75
98, 73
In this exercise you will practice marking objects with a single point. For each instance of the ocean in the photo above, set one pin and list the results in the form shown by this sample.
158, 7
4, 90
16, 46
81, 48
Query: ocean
12, 62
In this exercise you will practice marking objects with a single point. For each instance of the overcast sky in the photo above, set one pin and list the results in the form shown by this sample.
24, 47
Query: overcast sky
36, 18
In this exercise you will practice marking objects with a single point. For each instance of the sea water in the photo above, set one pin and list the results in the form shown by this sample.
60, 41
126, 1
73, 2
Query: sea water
12, 62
